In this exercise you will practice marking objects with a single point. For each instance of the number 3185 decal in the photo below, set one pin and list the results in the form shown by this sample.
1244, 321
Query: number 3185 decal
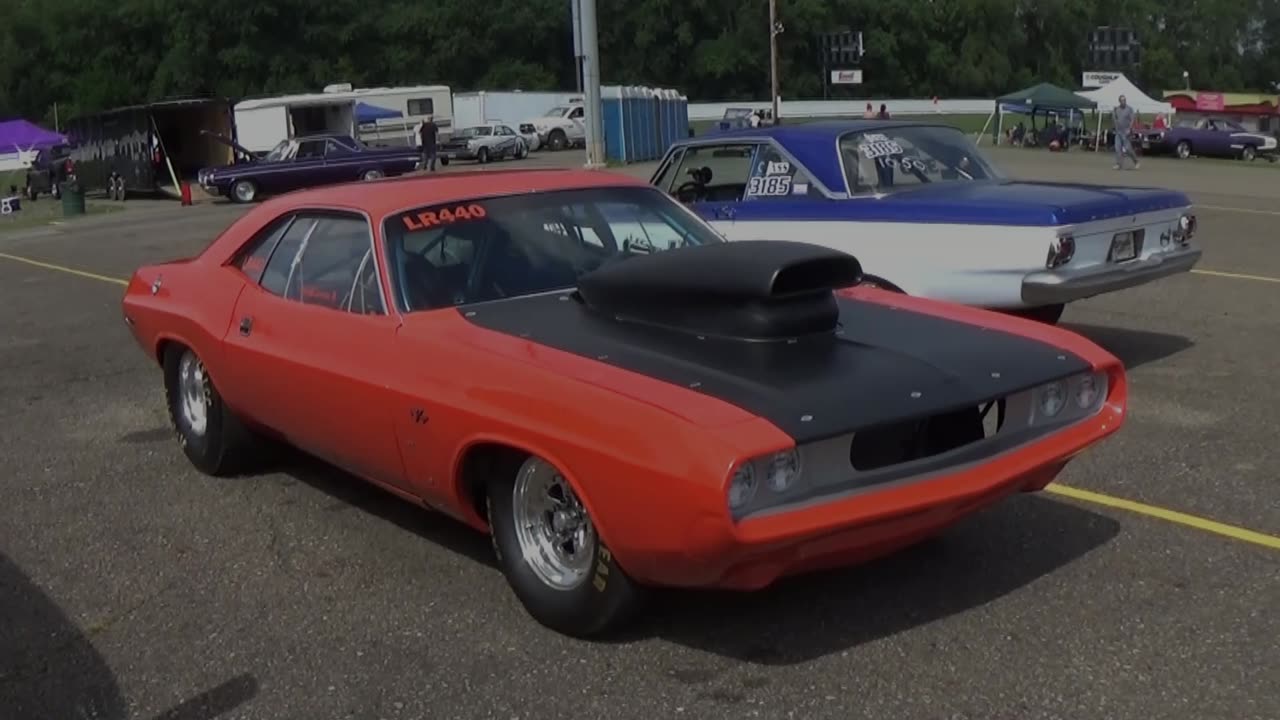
770, 185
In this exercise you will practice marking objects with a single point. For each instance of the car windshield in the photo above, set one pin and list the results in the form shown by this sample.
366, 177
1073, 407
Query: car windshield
493, 248
475, 132
279, 152
556, 111
901, 158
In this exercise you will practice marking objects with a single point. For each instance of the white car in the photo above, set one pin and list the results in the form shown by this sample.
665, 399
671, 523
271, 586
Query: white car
927, 214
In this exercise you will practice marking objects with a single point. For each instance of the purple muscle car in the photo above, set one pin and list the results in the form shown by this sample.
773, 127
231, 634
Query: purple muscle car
1208, 137
303, 162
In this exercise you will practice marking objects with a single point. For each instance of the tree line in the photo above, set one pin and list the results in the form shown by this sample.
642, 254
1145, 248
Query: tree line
89, 55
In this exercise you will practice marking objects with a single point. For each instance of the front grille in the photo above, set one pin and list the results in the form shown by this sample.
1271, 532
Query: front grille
527, 128
919, 438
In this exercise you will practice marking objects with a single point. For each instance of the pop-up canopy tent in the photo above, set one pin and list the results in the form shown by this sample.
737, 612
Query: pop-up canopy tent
1108, 97
20, 136
366, 113
1042, 98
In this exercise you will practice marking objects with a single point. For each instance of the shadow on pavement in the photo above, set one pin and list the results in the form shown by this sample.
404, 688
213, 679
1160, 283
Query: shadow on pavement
978, 561
50, 670
1134, 347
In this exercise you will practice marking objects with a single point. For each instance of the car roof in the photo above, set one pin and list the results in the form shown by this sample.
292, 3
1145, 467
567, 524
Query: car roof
384, 197
813, 144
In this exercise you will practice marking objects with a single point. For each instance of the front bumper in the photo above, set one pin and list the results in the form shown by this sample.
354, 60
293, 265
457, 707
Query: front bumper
456, 153
1063, 285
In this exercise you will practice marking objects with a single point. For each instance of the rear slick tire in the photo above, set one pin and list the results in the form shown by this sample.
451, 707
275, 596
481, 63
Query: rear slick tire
211, 436
546, 544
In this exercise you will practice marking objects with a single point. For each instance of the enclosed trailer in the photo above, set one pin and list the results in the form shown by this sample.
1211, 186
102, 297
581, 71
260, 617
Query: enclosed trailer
509, 107
261, 123
151, 147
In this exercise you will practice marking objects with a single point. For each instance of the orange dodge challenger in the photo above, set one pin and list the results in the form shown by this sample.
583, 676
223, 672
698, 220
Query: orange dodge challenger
577, 365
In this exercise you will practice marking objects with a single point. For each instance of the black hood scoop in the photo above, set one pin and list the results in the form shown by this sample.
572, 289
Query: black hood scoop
748, 290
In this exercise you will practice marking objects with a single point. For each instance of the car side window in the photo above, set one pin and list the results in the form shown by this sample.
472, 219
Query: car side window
775, 177
253, 258
714, 173
577, 113
327, 260
310, 149
663, 181
332, 148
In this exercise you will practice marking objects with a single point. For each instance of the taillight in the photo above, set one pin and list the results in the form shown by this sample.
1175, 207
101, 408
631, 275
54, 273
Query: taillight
1061, 250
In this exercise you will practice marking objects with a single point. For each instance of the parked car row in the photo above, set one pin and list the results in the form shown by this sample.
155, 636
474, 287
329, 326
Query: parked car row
777, 355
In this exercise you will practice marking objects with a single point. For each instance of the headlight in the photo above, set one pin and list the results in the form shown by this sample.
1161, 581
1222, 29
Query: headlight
1184, 223
1052, 398
742, 487
779, 471
1085, 392
783, 470
1069, 399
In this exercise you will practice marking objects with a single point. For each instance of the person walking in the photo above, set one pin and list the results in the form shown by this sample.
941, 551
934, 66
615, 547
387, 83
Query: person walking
1122, 117
427, 133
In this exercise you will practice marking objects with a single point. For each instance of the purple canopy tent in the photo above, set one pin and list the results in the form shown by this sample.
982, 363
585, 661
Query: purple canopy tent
20, 135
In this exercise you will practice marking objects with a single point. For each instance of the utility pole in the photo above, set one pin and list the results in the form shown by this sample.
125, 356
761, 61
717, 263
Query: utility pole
775, 29
591, 79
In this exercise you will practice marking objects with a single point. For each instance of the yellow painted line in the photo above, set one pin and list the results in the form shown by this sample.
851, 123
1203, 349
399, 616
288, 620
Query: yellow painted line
1173, 516
64, 269
1249, 211
1237, 276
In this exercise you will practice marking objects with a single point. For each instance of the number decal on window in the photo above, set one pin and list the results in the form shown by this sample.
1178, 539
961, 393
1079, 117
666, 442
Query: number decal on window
769, 186
444, 216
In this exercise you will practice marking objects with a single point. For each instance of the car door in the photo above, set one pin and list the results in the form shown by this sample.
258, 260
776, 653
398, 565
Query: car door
341, 164
306, 169
711, 179
311, 342
507, 140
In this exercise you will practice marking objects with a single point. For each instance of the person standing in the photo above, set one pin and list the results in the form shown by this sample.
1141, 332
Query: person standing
427, 133
884, 112
1122, 117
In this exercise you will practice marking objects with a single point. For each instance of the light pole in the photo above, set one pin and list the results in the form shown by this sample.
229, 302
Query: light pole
591, 83
775, 29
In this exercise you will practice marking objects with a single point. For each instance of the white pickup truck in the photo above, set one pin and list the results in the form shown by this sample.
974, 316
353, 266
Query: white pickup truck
560, 127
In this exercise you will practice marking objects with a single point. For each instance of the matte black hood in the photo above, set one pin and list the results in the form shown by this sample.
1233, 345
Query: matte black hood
765, 290
703, 318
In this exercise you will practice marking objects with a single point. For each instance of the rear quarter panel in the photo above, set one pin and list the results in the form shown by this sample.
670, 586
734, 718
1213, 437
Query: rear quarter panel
192, 306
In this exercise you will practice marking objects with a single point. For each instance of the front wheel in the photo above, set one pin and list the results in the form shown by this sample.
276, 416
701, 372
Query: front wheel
550, 553
244, 191
1184, 150
482, 156
371, 175
1248, 154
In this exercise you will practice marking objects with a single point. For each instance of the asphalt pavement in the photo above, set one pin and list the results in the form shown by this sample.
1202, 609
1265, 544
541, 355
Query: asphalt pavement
133, 587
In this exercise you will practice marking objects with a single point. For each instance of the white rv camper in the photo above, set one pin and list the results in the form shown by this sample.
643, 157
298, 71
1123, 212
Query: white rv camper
261, 123
413, 103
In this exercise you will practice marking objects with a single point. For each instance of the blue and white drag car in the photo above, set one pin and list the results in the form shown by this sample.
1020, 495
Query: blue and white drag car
927, 214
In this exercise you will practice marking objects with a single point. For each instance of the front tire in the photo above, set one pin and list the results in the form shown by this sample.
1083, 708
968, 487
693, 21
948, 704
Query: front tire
550, 553
1183, 150
372, 175
244, 191
557, 140
211, 436
1248, 154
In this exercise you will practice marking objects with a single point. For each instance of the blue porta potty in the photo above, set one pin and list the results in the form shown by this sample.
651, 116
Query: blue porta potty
612, 123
